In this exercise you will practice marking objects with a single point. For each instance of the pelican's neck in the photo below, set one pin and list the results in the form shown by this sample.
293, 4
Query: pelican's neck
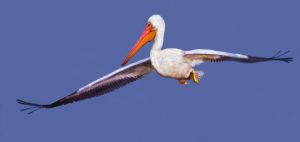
159, 40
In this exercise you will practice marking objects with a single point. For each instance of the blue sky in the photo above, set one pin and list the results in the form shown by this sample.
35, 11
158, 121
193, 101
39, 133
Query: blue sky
51, 48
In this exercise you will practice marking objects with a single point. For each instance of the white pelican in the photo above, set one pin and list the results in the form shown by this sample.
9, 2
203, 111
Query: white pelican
178, 64
172, 63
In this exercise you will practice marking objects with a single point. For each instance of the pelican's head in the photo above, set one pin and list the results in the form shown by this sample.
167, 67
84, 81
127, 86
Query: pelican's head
155, 24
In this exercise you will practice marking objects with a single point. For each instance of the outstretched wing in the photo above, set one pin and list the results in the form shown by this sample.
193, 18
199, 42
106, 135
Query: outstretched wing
104, 85
206, 55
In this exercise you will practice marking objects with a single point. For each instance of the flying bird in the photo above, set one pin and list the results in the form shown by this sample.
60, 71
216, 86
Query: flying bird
178, 64
171, 63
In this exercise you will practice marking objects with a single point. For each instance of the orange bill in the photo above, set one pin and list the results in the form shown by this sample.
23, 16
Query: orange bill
147, 36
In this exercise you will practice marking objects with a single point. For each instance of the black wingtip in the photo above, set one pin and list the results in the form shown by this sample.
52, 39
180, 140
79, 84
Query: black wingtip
287, 60
278, 57
33, 108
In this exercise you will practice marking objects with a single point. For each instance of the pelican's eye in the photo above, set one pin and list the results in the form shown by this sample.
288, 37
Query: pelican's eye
152, 27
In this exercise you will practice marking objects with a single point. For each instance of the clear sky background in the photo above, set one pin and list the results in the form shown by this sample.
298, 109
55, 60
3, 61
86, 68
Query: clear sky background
50, 48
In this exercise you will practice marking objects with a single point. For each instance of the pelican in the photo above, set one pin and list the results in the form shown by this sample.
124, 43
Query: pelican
178, 64
171, 63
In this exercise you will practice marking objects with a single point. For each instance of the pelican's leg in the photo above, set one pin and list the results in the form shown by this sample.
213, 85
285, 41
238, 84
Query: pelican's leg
183, 82
196, 75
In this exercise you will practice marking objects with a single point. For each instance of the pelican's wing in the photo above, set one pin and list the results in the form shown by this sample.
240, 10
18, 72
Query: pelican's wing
201, 55
104, 85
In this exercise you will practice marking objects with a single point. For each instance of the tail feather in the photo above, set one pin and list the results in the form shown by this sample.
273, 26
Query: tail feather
200, 74
33, 107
